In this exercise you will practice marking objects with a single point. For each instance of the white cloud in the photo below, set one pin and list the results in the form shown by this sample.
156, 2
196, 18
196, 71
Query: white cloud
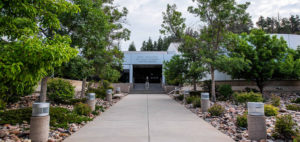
145, 16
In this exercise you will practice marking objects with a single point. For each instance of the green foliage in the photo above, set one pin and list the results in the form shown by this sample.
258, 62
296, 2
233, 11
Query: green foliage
162, 44
15, 116
285, 25
261, 54
206, 85
132, 47
82, 109
247, 97
2, 105
173, 23
26, 54
74, 101
297, 101
61, 117
99, 108
225, 92
189, 100
293, 107
284, 127
101, 90
179, 97
197, 102
60, 91
275, 100
216, 110
220, 17
241, 121
174, 70
195, 93
270, 110
78, 68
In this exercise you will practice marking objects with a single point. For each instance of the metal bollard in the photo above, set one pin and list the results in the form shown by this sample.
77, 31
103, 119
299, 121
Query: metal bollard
205, 103
91, 100
118, 90
256, 121
109, 95
186, 93
39, 122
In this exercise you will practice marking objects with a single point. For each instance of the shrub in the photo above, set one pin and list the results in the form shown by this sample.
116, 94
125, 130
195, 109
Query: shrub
60, 91
225, 92
195, 93
2, 105
75, 101
101, 90
270, 110
247, 97
179, 97
189, 100
241, 121
15, 116
216, 110
82, 109
297, 101
247, 89
197, 102
293, 107
275, 100
61, 117
284, 127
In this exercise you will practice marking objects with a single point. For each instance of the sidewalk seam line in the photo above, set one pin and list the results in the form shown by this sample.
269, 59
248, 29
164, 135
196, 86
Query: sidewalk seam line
148, 119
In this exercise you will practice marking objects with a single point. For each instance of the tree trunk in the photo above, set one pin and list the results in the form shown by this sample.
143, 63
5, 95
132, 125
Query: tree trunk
213, 89
260, 85
195, 85
83, 88
43, 93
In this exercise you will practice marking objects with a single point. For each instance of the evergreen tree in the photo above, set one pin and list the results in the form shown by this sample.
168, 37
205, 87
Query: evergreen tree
160, 44
132, 47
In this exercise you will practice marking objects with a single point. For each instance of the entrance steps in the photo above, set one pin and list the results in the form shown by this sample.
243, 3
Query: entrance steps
139, 88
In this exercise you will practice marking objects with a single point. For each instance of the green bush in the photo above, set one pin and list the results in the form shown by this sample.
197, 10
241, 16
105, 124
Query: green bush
101, 90
179, 97
195, 93
75, 101
15, 116
275, 100
82, 109
241, 121
216, 110
61, 117
297, 101
99, 108
284, 127
189, 100
197, 102
270, 110
247, 97
60, 91
225, 92
293, 107
2, 105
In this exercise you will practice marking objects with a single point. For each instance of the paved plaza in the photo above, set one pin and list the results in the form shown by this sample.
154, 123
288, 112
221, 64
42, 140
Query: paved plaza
148, 118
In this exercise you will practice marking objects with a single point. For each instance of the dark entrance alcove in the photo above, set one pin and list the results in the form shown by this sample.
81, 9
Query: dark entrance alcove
154, 73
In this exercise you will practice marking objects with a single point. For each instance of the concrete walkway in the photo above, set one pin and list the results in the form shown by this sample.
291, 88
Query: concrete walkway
148, 118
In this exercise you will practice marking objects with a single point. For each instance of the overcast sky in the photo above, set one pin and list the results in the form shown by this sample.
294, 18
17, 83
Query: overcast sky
145, 16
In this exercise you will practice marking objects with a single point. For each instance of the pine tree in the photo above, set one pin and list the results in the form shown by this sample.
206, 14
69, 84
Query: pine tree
132, 47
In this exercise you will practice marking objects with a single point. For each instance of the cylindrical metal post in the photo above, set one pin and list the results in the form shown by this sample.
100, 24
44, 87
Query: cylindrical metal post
39, 122
256, 121
109, 95
186, 94
118, 90
205, 103
91, 100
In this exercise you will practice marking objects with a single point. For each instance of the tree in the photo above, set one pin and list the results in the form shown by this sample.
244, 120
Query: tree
174, 70
132, 47
160, 44
218, 17
173, 23
260, 52
27, 57
97, 31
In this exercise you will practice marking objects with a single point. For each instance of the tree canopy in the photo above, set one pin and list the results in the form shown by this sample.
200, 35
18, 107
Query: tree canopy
26, 55
132, 47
